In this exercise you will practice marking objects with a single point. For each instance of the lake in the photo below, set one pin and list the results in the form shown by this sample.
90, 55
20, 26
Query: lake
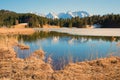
64, 48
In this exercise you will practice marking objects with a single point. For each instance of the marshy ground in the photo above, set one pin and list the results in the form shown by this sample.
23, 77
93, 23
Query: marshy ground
35, 68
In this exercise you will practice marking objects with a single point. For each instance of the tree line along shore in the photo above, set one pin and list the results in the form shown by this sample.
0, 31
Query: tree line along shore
9, 18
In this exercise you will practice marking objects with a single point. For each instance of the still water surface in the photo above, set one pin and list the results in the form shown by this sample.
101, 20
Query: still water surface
64, 48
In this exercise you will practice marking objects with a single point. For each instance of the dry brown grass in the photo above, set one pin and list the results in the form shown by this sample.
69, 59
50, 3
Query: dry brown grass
8, 41
16, 31
50, 26
14, 68
22, 25
35, 68
23, 46
101, 69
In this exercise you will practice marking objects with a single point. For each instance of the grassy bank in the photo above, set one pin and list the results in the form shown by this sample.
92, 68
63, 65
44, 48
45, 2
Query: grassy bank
35, 68
13, 31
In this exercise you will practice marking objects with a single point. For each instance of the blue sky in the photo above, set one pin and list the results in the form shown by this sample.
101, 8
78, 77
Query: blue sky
45, 6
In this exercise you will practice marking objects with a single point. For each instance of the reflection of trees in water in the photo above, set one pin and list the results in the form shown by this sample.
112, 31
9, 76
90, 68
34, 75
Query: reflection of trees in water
82, 39
60, 62
71, 41
77, 40
55, 39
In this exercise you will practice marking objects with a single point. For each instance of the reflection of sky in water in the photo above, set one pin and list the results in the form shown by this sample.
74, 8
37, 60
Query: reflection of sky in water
63, 47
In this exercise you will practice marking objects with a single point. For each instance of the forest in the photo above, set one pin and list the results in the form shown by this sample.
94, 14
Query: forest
10, 18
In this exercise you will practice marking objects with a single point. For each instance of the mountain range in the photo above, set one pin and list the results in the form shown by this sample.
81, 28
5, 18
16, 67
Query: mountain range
66, 15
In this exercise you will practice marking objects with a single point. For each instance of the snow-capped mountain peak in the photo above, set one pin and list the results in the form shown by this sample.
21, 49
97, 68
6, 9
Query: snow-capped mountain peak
52, 15
70, 14
66, 15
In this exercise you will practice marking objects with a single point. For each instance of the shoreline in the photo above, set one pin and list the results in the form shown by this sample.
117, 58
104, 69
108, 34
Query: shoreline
84, 31
73, 31
34, 67
13, 31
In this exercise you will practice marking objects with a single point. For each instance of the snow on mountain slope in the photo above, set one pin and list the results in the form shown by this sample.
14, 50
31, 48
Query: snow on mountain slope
66, 15
52, 15
42, 15
81, 14
69, 14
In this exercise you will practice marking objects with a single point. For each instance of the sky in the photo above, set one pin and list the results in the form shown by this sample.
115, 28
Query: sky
100, 7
